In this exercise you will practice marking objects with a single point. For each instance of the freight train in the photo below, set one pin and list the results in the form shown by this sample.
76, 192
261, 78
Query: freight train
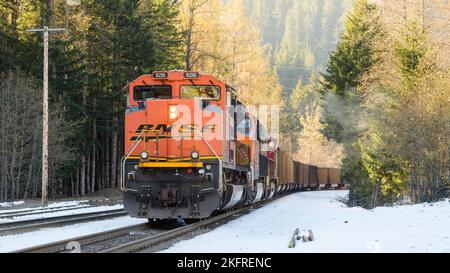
192, 149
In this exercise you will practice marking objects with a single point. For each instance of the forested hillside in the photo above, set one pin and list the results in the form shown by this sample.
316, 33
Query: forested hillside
298, 36
387, 99
300, 33
107, 43
368, 90
222, 40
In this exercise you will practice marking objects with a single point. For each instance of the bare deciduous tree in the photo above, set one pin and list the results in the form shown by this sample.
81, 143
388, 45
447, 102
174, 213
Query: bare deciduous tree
21, 133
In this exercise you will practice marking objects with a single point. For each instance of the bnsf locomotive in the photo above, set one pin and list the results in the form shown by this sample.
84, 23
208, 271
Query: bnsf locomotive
193, 149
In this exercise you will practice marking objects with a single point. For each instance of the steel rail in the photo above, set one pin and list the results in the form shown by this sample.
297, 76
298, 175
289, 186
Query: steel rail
151, 241
33, 224
82, 240
42, 210
39, 211
133, 246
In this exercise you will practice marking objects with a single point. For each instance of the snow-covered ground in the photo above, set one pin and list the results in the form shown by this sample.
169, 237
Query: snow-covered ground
80, 209
49, 235
54, 205
11, 204
336, 228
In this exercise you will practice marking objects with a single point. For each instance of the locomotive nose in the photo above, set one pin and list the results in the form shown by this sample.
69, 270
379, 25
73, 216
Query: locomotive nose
164, 139
157, 134
157, 112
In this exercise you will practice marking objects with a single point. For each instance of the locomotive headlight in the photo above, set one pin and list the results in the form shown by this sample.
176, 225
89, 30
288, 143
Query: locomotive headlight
194, 155
173, 116
144, 155
208, 167
173, 112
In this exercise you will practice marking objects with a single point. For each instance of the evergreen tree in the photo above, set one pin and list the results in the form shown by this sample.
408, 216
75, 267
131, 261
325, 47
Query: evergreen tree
354, 56
107, 43
310, 32
405, 150
228, 45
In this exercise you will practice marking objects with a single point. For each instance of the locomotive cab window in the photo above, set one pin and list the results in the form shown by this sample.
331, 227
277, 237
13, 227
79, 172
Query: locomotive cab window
243, 120
204, 92
244, 127
152, 92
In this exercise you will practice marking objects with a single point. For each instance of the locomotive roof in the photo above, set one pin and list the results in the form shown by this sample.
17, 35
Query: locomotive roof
175, 75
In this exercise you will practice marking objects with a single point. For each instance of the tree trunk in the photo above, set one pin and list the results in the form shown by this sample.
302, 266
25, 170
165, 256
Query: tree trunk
72, 186
12, 167
20, 168
35, 181
114, 153
4, 177
77, 182
94, 139
189, 45
108, 183
83, 176
88, 173
114, 107
4, 195
84, 146
33, 158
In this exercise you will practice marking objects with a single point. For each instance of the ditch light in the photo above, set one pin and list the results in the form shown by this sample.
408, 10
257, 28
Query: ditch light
173, 112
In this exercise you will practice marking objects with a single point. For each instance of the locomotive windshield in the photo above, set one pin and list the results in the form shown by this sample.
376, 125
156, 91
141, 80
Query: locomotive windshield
205, 92
152, 92
242, 119
244, 127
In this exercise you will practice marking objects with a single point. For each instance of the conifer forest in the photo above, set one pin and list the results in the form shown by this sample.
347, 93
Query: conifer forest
362, 85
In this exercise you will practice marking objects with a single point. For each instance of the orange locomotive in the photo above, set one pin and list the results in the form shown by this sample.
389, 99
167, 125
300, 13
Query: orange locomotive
192, 149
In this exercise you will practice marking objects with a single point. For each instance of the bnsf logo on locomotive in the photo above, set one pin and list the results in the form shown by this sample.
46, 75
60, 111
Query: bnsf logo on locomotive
162, 130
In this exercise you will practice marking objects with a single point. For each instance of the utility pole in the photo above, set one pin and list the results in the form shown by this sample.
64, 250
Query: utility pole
45, 31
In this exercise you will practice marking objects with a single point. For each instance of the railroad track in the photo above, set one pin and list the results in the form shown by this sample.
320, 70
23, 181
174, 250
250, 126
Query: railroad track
64, 245
151, 241
34, 224
36, 211
40, 211
138, 244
